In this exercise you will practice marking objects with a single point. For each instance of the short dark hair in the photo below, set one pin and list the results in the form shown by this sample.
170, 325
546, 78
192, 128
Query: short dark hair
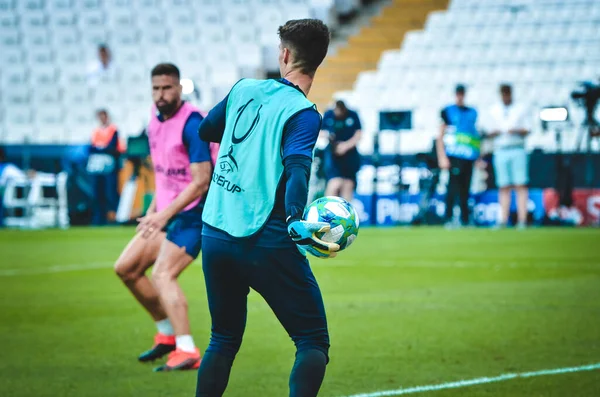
340, 105
166, 69
505, 89
103, 47
308, 40
101, 111
460, 89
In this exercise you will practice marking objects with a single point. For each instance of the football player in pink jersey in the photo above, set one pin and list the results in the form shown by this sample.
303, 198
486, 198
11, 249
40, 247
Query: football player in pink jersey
170, 234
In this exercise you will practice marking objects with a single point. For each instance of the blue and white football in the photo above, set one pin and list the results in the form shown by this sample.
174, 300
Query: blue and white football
340, 214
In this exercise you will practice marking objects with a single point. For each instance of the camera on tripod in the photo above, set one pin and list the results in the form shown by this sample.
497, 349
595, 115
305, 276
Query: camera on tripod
588, 98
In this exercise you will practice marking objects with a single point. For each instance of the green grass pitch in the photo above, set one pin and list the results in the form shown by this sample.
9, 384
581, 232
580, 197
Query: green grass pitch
406, 307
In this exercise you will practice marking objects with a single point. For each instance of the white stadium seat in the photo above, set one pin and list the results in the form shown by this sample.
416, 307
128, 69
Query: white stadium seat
90, 19
14, 76
157, 36
76, 94
17, 94
89, 4
11, 58
39, 56
151, 16
43, 74
58, 5
156, 55
65, 39
8, 20
181, 17
147, 4
9, 38
18, 122
183, 36
118, 5
36, 37
46, 94
7, 5
49, 124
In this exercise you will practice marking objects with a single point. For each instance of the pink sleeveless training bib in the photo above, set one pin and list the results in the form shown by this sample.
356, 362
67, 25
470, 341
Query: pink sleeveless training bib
170, 157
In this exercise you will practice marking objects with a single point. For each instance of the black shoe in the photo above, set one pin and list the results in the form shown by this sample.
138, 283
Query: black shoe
163, 345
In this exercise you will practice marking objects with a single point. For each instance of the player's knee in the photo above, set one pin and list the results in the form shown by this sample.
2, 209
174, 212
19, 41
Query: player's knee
162, 274
227, 345
318, 340
126, 271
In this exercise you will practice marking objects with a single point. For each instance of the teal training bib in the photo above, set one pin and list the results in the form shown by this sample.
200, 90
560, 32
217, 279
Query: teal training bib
249, 165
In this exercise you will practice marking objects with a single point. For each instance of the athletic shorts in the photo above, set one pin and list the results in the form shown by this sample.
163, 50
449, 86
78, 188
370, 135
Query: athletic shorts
511, 167
345, 167
185, 230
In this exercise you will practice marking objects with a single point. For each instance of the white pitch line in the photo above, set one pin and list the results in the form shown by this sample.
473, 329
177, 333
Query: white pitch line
55, 269
478, 381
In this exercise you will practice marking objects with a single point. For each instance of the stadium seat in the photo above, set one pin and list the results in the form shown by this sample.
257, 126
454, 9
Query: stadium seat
11, 58
209, 16
125, 36
14, 76
58, 5
89, 4
106, 95
76, 94
128, 55
92, 18
27, 5
91, 37
49, 124
18, 124
243, 34
240, 16
154, 37
16, 94
79, 124
65, 40
151, 16
45, 95
249, 60
36, 37
224, 75
183, 36
147, 4
39, 56
118, 5
8, 20
181, 17
43, 74
157, 54
9, 38
63, 19
7, 5
212, 35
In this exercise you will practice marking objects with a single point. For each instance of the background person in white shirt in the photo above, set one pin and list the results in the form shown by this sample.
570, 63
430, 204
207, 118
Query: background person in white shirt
103, 67
509, 124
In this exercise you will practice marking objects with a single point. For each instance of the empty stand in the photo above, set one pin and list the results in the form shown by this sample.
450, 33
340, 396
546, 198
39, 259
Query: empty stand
47, 48
542, 47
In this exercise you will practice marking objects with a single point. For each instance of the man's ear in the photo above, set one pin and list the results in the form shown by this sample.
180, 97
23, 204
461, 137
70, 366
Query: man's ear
286, 55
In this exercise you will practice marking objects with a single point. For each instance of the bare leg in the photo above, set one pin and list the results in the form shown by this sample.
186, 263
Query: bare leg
131, 266
522, 198
334, 187
347, 190
170, 263
504, 198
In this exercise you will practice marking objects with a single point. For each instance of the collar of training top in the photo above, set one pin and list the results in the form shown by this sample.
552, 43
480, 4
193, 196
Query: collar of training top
289, 83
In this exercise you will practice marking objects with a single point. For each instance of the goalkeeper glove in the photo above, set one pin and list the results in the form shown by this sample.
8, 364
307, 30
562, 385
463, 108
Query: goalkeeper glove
303, 233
